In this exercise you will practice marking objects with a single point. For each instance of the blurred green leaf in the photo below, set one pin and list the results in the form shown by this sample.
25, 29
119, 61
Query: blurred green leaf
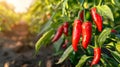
96, 65
43, 39
58, 53
110, 61
116, 2
110, 45
118, 46
82, 61
103, 36
117, 27
48, 24
104, 10
64, 7
119, 65
65, 54
58, 43
116, 55
103, 62
81, 2
39, 63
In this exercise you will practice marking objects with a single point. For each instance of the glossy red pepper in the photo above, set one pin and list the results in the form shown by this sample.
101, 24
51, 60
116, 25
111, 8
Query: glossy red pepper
58, 34
86, 33
82, 15
97, 19
65, 28
97, 56
77, 29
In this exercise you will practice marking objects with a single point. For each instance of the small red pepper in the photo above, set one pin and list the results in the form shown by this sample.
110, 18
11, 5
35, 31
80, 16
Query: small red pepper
65, 44
86, 33
97, 19
113, 31
97, 56
58, 34
77, 29
65, 28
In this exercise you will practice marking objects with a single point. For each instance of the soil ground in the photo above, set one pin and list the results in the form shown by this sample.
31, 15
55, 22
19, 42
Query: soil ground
17, 50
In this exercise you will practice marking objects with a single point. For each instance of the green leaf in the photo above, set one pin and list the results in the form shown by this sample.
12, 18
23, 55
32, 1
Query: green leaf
119, 65
110, 45
103, 36
65, 5
47, 24
118, 46
58, 43
96, 65
103, 62
65, 54
105, 59
104, 10
116, 2
58, 53
81, 2
43, 39
82, 61
113, 62
116, 55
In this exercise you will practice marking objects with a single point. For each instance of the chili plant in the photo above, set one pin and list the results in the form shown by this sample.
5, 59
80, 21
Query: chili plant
93, 33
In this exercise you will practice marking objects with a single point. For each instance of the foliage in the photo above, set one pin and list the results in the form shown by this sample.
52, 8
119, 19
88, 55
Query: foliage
67, 10
7, 16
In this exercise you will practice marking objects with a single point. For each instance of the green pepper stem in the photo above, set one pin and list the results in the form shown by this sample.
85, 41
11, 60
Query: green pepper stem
96, 42
84, 16
79, 14
94, 3
100, 2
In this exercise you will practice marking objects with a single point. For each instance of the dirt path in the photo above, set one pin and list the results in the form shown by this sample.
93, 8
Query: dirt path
17, 50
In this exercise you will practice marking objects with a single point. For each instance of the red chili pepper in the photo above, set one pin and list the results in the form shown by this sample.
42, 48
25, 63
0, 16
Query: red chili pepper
82, 15
86, 33
65, 28
97, 55
97, 19
65, 44
58, 34
77, 29
114, 31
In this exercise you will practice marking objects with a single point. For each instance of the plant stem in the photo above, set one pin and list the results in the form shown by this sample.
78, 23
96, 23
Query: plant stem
94, 3
91, 46
95, 41
100, 2
84, 16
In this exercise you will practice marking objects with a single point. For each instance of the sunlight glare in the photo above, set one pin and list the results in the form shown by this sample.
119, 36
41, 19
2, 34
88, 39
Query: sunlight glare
20, 5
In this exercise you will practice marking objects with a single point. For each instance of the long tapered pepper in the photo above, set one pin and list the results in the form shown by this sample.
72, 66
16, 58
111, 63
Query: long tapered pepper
96, 18
77, 29
97, 56
65, 28
58, 34
86, 33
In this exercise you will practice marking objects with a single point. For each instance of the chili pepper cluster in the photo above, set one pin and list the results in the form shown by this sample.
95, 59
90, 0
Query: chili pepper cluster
82, 28
85, 29
61, 29
96, 18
